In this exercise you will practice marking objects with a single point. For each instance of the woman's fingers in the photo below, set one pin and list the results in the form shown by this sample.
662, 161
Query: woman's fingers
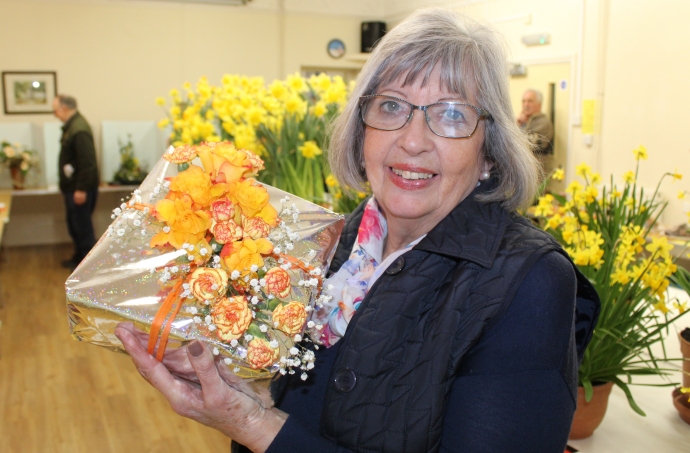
177, 392
175, 359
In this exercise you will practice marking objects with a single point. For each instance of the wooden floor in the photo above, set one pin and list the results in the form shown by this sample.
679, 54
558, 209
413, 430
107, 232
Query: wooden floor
60, 395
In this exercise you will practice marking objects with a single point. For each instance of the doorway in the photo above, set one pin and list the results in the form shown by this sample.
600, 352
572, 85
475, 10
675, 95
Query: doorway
553, 80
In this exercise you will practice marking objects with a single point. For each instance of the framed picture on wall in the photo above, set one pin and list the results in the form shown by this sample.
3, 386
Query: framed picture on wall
28, 91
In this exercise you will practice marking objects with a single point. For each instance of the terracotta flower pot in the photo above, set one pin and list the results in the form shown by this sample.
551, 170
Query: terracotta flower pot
588, 416
685, 351
682, 405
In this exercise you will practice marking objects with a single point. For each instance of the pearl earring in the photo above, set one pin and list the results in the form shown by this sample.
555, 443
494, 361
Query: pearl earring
486, 175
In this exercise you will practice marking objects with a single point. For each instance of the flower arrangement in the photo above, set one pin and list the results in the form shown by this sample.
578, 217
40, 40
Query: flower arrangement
15, 156
606, 231
130, 171
230, 267
284, 123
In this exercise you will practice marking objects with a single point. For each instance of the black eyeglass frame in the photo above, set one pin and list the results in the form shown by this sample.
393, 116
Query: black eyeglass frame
482, 113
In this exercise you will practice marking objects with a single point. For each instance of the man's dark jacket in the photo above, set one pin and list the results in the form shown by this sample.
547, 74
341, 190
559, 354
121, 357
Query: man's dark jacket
77, 149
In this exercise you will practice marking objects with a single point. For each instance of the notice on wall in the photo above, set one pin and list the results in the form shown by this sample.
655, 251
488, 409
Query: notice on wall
589, 107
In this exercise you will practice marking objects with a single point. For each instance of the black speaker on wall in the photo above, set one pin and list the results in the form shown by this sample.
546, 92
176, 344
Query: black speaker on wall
371, 33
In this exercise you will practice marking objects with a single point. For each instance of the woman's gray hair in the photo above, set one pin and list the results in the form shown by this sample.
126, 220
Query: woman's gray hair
472, 64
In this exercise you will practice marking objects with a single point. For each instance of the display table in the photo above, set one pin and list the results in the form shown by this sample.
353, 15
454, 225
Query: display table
5, 206
38, 215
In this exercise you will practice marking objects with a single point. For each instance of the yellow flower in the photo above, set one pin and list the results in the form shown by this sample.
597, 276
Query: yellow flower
196, 183
310, 149
661, 306
186, 226
659, 244
278, 90
297, 82
676, 176
620, 276
249, 196
160, 101
331, 181
629, 177
583, 170
165, 122
242, 255
320, 109
640, 153
681, 195
574, 187
223, 162
558, 174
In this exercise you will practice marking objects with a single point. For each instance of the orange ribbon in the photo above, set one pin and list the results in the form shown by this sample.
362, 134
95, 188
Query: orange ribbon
165, 308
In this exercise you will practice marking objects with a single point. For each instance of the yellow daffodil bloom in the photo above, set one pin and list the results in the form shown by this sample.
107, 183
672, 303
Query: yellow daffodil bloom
640, 153
558, 174
310, 149
583, 170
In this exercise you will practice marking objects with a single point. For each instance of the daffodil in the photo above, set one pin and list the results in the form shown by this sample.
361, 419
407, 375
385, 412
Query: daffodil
640, 153
310, 149
558, 174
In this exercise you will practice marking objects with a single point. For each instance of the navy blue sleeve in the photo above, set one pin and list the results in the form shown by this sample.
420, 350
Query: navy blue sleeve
517, 388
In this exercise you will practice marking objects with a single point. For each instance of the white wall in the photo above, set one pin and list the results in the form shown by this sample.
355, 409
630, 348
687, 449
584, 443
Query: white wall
116, 56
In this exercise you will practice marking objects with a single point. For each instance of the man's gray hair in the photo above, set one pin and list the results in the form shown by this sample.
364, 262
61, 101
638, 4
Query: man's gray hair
538, 94
472, 64
67, 102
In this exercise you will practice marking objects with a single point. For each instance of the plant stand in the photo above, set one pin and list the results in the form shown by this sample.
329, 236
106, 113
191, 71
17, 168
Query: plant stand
588, 416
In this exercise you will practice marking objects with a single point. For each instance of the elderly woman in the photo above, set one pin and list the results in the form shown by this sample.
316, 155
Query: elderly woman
454, 324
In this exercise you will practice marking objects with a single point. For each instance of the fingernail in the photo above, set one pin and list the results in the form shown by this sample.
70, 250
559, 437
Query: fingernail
195, 349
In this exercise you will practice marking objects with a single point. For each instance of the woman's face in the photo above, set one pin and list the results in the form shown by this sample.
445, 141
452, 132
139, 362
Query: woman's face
416, 176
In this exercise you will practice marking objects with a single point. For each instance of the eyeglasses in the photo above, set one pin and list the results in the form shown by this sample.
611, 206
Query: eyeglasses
445, 119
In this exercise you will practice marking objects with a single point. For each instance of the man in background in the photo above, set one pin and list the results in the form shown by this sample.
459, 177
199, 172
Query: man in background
78, 176
538, 128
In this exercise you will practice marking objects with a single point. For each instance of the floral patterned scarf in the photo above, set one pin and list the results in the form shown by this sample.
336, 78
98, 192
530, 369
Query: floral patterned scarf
348, 287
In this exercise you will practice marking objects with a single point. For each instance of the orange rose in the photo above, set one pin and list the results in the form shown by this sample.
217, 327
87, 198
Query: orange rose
196, 183
255, 227
186, 224
208, 283
250, 196
269, 215
225, 232
278, 282
290, 318
260, 354
232, 316
180, 155
222, 210
223, 161
241, 256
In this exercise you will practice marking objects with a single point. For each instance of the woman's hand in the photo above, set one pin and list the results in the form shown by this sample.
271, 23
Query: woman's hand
220, 400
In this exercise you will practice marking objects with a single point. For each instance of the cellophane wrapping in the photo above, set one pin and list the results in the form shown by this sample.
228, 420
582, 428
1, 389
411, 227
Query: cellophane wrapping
125, 279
